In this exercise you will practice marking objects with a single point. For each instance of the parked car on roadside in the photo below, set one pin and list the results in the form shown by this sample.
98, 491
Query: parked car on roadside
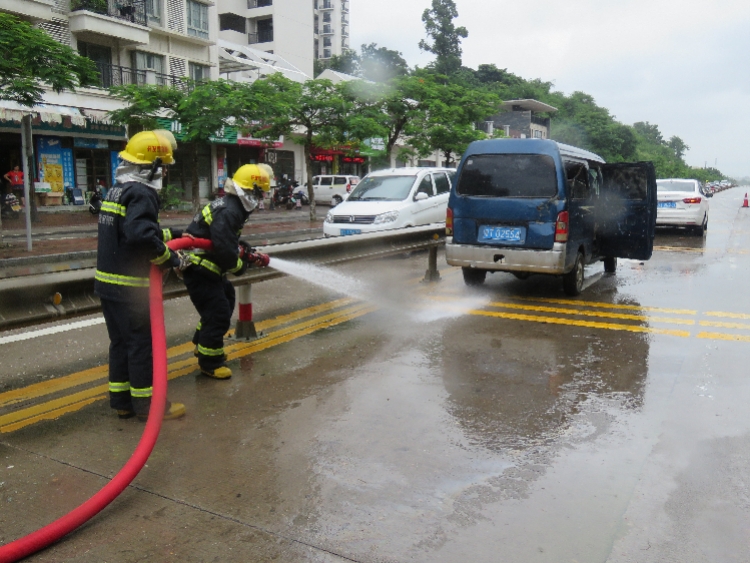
392, 199
682, 203
332, 189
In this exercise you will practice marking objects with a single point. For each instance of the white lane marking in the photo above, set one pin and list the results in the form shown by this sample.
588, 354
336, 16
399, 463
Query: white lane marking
51, 330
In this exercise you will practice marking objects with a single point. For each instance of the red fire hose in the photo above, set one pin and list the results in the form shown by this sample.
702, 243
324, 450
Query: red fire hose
40, 539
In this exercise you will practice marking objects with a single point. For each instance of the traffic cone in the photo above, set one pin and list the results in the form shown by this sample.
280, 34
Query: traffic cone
744, 203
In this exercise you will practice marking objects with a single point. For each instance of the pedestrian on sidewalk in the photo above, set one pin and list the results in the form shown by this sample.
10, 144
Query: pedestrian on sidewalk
206, 280
15, 179
130, 241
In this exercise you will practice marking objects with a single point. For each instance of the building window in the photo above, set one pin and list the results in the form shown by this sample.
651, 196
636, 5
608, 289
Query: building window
538, 134
326, 53
232, 22
197, 19
326, 42
153, 11
199, 72
148, 61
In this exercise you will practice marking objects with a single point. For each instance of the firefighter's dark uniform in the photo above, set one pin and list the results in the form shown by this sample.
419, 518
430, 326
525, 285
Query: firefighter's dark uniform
130, 240
212, 294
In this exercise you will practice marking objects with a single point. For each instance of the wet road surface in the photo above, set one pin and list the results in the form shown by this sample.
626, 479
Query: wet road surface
412, 422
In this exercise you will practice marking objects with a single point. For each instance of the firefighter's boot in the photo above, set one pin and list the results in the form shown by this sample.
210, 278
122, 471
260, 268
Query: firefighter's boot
175, 410
222, 372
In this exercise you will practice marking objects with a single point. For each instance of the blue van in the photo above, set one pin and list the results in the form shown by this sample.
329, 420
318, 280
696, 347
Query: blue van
533, 206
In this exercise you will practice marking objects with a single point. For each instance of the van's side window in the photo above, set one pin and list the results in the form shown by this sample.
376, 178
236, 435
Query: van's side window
595, 180
339, 180
325, 180
442, 184
577, 180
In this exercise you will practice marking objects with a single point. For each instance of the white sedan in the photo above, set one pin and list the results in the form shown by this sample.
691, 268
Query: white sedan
682, 203
392, 199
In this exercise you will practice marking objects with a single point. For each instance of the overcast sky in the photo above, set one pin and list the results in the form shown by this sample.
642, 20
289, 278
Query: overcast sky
683, 65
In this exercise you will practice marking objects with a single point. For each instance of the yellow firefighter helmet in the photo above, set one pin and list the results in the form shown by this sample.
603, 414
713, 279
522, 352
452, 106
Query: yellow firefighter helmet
249, 174
146, 146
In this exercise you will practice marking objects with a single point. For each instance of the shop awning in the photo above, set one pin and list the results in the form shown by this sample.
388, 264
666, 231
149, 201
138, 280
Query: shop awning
48, 113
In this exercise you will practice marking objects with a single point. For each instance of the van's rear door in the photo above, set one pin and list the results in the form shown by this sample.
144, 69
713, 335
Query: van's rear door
626, 210
507, 199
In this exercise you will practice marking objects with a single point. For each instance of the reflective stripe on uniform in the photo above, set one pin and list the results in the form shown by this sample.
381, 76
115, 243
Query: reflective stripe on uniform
144, 393
166, 235
207, 215
112, 207
199, 326
115, 387
163, 258
210, 351
238, 267
118, 279
210, 266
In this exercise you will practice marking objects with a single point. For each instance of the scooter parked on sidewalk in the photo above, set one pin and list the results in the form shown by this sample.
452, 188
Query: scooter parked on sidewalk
11, 207
95, 202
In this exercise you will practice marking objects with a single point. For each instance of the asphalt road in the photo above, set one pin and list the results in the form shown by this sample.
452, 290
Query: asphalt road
381, 419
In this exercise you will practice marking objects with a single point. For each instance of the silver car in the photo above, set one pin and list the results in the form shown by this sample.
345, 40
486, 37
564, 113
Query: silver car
682, 203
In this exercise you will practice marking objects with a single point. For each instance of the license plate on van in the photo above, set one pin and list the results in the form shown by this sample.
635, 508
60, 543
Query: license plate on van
513, 235
345, 232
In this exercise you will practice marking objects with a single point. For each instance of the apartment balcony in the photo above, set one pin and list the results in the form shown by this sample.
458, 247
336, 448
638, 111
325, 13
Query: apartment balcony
33, 10
327, 30
325, 5
345, 31
345, 7
115, 75
251, 4
264, 36
124, 20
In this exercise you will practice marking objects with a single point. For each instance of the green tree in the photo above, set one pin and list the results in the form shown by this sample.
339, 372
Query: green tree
444, 35
678, 146
201, 108
316, 113
650, 132
381, 64
347, 62
450, 114
31, 60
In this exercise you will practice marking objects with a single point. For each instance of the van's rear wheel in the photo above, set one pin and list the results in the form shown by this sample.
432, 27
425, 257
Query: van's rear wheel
522, 275
610, 264
473, 277
335, 200
573, 280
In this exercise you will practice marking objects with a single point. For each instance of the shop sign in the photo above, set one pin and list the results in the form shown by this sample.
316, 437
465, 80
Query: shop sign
90, 143
250, 141
321, 157
354, 159
226, 135
114, 161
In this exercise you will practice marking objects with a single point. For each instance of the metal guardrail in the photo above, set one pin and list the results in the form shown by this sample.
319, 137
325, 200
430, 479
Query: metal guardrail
32, 299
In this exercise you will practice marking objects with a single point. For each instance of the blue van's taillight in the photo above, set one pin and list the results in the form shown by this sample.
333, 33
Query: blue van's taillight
449, 222
561, 227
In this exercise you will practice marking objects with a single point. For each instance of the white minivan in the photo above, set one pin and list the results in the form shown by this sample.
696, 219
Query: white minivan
392, 199
332, 189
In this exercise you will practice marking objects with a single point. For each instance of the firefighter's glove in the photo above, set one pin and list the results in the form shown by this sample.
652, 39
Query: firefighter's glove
183, 263
245, 250
258, 259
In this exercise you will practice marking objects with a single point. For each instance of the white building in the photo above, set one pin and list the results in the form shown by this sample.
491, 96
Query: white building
331, 28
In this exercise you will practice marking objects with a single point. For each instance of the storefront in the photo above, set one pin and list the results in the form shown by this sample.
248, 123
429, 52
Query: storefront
334, 161
71, 148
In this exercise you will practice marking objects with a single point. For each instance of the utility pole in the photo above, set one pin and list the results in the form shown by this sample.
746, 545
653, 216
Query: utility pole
27, 152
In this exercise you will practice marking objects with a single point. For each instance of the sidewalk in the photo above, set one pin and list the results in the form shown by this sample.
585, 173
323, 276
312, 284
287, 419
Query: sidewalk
69, 232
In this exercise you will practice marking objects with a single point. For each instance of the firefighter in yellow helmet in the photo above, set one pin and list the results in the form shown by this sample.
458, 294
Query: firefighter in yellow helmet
212, 294
130, 241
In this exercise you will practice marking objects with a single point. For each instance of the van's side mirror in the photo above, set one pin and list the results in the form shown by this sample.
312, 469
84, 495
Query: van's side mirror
420, 196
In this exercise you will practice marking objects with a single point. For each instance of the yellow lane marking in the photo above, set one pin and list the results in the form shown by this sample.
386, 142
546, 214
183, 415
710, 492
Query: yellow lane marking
623, 316
727, 315
678, 249
723, 336
587, 324
51, 415
53, 405
99, 372
70, 403
611, 305
741, 326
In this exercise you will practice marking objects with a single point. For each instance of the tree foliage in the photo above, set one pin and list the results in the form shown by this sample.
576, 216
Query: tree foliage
381, 64
30, 60
201, 109
445, 37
